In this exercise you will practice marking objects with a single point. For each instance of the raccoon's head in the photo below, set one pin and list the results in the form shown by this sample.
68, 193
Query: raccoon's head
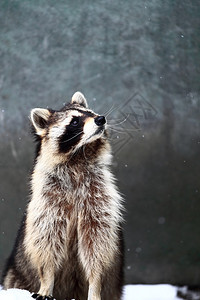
70, 129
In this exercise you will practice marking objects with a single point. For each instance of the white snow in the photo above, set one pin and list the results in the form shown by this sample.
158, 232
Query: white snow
131, 292
15, 294
150, 292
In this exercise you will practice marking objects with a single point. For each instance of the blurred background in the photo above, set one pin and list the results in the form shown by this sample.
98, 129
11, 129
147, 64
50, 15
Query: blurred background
141, 61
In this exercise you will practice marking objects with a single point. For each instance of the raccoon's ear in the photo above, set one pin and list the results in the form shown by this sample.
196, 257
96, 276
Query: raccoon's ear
39, 118
79, 98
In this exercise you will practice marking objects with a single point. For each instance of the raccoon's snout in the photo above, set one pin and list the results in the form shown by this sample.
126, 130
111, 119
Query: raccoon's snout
100, 120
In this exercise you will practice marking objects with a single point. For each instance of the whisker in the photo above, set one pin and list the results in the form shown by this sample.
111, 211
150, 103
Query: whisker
113, 120
71, 156
73, 137
84, 152
106, 113
111, 110
121, 121
116, 129
74, 152
125, 129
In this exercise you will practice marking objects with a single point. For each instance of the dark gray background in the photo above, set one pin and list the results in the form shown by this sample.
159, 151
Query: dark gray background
140, 58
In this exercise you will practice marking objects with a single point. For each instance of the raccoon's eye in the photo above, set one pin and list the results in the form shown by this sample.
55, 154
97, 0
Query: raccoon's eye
75, 121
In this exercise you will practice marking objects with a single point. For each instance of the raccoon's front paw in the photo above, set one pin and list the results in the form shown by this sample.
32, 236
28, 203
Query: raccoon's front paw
40, 297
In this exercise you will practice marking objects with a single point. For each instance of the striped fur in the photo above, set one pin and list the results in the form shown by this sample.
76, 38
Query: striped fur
70, 241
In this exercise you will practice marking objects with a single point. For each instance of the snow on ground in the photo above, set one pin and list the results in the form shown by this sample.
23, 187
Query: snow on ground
131, 292
150, 292
15, 294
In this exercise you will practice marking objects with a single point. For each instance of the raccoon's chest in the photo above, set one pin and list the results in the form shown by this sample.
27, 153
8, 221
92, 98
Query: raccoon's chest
67, 195
64, 202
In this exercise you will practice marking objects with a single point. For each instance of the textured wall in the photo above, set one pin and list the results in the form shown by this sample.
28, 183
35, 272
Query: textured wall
140, 58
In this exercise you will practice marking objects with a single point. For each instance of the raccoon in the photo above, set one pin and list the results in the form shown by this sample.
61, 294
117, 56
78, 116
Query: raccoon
70, 242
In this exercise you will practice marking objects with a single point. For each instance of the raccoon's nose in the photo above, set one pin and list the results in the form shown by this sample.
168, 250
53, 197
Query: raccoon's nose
100, 120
